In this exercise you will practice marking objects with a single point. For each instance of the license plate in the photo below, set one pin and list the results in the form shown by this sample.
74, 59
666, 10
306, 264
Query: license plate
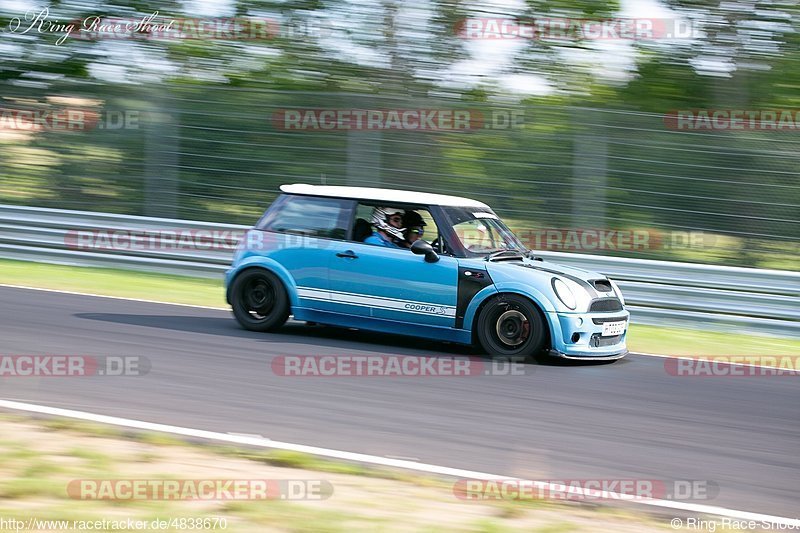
613, 328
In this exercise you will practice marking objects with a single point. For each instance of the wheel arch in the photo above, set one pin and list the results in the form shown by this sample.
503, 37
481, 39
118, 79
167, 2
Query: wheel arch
533, 296
270, 266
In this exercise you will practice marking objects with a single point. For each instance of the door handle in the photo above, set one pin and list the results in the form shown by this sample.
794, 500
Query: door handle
349, 254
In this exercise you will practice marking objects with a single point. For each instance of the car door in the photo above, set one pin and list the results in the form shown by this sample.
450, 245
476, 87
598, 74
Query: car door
392, 284
299, 234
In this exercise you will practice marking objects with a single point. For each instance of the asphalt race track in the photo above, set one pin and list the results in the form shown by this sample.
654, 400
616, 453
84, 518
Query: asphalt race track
627, 420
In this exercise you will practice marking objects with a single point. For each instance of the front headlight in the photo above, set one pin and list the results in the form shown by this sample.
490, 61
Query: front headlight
617, 291
564, 293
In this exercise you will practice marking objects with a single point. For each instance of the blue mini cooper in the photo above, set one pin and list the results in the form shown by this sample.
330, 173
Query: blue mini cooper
433, 266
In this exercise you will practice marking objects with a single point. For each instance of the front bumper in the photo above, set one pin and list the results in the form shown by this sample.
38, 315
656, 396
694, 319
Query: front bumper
614, 357
579, 335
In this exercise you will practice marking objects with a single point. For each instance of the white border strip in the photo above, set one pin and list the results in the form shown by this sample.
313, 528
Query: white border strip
711, 359
388, 462
59, 291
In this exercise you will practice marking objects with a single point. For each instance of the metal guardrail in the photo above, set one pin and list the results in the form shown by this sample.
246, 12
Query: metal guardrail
708, 296
656, 292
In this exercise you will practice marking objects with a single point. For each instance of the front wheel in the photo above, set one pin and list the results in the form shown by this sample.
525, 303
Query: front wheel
511, 325
259, 300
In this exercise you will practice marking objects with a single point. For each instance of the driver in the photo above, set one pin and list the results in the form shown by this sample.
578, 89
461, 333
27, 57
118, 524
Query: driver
388, 223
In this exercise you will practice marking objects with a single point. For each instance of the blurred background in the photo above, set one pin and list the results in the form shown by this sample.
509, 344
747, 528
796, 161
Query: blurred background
184, 116
194, 133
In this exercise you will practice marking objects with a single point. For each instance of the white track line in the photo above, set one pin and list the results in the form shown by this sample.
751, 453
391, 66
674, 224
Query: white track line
389, 462
111, 297
705, 358
711, 358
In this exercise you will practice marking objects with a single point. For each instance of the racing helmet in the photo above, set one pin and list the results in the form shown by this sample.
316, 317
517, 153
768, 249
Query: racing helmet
380, 219
412, 218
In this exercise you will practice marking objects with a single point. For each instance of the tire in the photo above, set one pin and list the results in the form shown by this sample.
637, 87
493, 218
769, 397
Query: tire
512, 326
259, 300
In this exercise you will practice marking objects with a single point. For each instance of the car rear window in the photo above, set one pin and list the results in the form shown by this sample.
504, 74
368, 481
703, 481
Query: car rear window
308, 215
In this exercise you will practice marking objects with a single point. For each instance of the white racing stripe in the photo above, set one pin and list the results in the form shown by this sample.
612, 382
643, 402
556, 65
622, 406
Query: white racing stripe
389, 462
382, 302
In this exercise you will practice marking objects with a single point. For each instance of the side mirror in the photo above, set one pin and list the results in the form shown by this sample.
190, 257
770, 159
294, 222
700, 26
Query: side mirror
421, 247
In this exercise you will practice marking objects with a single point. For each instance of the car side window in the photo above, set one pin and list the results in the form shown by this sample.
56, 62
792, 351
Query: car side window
362, 227
308, 215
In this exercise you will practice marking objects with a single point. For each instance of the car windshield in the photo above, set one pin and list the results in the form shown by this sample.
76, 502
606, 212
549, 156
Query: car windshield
481, 232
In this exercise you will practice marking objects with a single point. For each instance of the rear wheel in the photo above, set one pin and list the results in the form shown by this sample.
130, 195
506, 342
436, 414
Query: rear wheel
511, 325
259, 300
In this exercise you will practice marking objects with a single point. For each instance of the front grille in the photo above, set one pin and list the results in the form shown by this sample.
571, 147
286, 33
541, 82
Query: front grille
602, 285
597, 341
605, 305
603, 320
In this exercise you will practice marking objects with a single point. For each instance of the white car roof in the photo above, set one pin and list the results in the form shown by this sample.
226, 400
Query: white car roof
381, 195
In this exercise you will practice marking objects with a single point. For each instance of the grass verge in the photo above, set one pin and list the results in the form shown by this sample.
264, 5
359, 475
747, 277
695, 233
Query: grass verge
114, 282
209, 292
41, 460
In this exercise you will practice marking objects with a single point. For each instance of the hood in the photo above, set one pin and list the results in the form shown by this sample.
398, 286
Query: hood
540, 268
586, 285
